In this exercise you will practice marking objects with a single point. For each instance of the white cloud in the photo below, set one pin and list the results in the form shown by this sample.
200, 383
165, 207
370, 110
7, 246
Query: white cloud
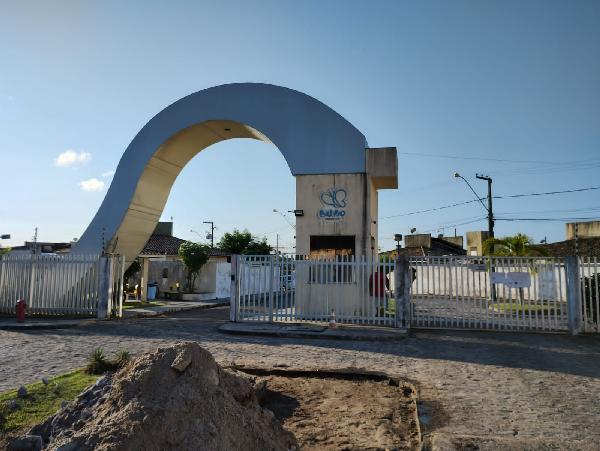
92, 184
71, 158
108, 174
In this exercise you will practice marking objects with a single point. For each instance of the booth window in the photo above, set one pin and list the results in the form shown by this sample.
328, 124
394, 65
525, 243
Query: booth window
336, 248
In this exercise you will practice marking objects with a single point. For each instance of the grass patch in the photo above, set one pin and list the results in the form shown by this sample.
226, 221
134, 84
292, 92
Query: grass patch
98, 363
41, 400
524, 309
130, 305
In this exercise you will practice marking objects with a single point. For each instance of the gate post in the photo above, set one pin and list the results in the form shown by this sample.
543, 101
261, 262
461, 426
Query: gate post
105, 288
233, 290
402, 282
573, 294
271, 280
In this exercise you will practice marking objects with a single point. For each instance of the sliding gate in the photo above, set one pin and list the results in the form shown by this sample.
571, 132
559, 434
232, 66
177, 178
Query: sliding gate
297, 289
455, 292
508, 293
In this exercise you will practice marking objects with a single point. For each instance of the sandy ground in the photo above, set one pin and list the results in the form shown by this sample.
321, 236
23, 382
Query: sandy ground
336, 414
491, 384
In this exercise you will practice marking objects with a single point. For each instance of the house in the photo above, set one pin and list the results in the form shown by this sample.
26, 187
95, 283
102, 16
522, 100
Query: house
38, 247
422, 244
161, 265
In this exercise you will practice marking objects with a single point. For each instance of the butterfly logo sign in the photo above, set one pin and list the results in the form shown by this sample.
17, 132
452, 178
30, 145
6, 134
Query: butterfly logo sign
334, 201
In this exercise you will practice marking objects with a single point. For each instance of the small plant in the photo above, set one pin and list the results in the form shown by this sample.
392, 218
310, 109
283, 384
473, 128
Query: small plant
122, 358
97, 362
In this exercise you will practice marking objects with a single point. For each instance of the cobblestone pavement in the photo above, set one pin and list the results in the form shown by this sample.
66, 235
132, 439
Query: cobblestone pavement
524, 386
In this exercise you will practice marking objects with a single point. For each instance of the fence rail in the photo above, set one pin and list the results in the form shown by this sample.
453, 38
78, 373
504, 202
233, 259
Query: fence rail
534, 294
63, 285
513, 293
589, 271
297, 289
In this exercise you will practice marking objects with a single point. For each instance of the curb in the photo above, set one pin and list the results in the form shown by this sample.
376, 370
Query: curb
44, 326
150, 313
324, 334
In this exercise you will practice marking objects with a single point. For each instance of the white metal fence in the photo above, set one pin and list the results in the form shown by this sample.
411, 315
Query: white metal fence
69, 285
513, 293
455, 292
589, 272
297, 289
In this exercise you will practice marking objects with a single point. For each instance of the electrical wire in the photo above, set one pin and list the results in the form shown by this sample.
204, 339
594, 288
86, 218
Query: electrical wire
511, 196
497, 160
546, 219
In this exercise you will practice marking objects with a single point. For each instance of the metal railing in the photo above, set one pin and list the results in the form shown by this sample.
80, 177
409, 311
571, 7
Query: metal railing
64, 285
456, 292
299, 289
589, 273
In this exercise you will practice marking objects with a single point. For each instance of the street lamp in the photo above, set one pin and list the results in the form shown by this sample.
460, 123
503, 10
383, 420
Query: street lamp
489, 210
397, 239
285, 217
193, 231
212, 233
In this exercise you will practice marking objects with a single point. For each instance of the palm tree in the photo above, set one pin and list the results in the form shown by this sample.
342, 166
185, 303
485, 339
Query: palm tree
519, 245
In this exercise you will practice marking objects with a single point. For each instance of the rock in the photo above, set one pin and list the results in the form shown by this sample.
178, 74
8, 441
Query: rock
85, 414
182, 360
45, 380
13, 405
26, 443
64, 403
22, 392
71, 446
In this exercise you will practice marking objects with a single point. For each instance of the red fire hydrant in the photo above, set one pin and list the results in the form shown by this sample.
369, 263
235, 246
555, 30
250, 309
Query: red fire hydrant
21, 307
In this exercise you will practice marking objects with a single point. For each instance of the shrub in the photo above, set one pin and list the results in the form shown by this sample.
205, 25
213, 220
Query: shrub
122, 358
98, 363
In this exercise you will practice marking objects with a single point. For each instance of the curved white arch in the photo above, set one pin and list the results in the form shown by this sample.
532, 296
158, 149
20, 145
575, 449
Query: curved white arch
312, 137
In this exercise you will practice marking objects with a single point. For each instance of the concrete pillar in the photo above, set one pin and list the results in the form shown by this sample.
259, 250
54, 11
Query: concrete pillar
573, 294
403, 282
145, 267
233, 292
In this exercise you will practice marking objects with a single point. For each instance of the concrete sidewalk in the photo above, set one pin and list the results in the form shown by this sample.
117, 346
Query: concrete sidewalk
356, 333
32, 323
7, 323
170, 307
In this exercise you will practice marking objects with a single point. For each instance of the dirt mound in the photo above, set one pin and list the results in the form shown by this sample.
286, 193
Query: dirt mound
175, 398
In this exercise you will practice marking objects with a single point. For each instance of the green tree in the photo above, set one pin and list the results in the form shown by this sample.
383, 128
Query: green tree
133, 269
235, 242
4, 250
519, 245
238, 242
194, 256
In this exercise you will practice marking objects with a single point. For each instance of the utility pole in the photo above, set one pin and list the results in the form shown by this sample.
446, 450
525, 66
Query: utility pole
489, 207
212, 233
277, 246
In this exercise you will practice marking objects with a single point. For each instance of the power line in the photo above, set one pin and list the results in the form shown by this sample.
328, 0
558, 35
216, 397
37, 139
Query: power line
431, 209
579, 190
511, 196
547, 219
448, 226
497, 160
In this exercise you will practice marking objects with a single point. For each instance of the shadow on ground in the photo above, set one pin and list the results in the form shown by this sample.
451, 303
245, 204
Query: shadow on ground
578, 355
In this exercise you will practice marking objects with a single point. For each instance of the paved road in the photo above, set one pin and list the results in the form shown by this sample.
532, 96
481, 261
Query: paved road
526, 386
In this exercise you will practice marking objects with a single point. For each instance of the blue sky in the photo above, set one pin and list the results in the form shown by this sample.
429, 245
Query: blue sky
474, 81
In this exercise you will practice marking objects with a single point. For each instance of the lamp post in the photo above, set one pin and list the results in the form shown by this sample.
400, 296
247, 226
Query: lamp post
488, 208
212, 233
285, 218
490, 215
193, 231
397, 239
